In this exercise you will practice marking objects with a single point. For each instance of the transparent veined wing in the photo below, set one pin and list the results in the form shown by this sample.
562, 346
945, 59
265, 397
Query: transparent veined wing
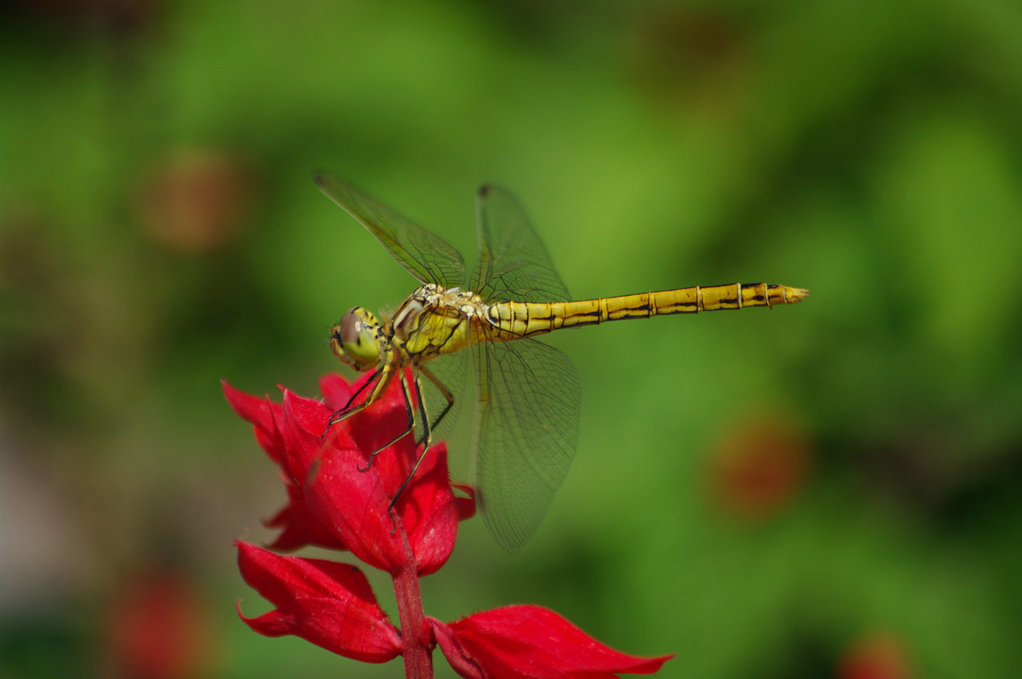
451, 371
525, 435
425, 255
526, 428
513, 264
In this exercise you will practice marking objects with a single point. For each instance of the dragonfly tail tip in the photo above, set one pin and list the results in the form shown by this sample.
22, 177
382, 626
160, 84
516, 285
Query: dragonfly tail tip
795, 295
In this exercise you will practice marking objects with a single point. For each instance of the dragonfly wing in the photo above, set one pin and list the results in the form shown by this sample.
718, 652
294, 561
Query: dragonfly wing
513, 263
526, 432
425, 255
450, 370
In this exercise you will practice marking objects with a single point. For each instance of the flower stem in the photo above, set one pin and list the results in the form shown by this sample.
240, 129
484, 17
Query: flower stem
414, 638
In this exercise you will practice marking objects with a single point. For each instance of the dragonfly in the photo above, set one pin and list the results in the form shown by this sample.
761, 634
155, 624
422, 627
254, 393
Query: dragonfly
527, 395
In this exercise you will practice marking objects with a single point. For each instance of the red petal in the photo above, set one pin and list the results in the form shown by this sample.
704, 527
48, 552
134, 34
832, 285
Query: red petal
262, 414
429, 513
466, 505
459, 658
533, 642
351, 500
300, 527
252, 409
304, 425
331, 497
336, 391
354, 501
352, 494
329, 604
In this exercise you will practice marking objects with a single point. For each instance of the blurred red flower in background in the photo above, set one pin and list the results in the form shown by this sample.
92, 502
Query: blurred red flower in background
195, 201
156, 628
759, 466
340, 495
877, 655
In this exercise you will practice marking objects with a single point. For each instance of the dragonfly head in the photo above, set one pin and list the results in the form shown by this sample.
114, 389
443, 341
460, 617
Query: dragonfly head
356, 339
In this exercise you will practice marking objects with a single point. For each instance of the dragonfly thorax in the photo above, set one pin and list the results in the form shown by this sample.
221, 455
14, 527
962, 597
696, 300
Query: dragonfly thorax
434, 320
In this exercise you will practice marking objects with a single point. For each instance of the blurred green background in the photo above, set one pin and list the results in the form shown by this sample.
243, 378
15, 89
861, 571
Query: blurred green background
827, 490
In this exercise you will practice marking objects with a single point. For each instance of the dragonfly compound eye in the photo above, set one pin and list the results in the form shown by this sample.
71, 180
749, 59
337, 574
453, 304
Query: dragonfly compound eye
356, 339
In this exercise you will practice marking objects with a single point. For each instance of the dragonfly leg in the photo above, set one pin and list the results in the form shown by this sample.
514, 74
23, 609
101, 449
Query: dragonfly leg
348, 410
372, 378
408, 429
425, 438
430, 426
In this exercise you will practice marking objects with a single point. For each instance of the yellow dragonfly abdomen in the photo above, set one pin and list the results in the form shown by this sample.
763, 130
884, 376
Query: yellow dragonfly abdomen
511, 320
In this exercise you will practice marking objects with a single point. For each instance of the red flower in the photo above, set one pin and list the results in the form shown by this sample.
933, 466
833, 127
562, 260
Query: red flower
327, 603
339, 497
529, 641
